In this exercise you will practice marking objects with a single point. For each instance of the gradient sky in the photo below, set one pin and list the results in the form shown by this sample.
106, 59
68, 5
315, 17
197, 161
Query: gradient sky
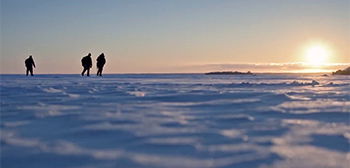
140, 36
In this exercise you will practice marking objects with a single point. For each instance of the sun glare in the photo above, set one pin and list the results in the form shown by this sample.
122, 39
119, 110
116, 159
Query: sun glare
317, 55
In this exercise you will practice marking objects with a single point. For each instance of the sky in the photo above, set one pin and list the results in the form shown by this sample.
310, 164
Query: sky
172, 36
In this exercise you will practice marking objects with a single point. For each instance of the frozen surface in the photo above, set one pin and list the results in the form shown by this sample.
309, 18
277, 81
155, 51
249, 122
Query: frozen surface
266, 121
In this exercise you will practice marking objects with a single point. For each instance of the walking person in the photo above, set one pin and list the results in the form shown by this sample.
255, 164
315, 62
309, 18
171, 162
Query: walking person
87, 64
100, 63
29, 63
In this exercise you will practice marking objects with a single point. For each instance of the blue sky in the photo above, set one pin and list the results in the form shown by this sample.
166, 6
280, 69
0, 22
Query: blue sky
166, 35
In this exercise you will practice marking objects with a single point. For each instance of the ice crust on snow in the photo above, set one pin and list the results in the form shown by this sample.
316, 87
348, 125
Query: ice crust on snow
175, 121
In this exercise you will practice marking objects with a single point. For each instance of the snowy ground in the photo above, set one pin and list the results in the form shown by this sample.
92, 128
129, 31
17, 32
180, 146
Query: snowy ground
177, 121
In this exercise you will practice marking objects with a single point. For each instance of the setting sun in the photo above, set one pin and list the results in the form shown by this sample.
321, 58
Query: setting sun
317, 55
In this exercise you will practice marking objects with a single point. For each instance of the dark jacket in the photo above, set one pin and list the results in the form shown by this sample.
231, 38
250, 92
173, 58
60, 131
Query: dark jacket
100, 61
86, 62
29, 62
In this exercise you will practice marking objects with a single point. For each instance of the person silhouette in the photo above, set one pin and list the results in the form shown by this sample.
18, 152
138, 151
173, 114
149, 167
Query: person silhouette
100, 63
29, 63
87, 64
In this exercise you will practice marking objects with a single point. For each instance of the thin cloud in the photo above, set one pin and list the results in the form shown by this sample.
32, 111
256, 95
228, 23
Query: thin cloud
270, 67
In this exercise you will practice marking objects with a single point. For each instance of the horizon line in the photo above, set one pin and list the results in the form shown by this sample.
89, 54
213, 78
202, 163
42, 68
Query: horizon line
166, 73
291, 67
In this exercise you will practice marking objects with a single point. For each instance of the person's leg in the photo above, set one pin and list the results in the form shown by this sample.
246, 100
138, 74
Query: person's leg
101, 69
27, 71
31, 71
98, 71
82, 74
88, 72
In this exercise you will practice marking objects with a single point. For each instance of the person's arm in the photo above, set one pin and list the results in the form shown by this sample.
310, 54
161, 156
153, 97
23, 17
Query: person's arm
33, 63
